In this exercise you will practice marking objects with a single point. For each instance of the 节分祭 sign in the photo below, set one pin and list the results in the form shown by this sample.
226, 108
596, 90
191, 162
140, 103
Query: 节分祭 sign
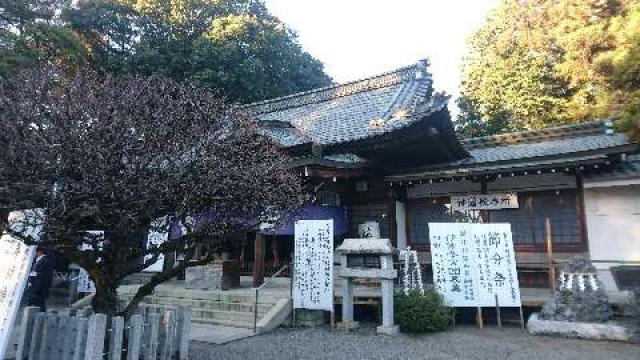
493, 201
474, 263
313, 265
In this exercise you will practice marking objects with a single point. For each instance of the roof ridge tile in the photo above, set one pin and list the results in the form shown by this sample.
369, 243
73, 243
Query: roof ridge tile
550, 133
389, 78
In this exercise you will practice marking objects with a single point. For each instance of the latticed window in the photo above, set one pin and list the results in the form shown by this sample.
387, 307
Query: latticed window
327, 198
527, 222
421, 213
521, 220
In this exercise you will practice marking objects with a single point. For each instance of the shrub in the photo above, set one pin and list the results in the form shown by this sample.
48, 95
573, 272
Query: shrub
417, 313
635, 309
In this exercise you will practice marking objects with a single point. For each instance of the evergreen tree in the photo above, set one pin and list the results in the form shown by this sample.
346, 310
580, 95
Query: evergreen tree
31, 32
236, 46
552, 62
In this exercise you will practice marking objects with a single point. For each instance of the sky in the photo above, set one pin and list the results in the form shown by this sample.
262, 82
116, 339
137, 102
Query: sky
361, 38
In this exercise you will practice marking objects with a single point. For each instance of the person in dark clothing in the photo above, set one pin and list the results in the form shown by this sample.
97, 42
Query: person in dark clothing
40, 280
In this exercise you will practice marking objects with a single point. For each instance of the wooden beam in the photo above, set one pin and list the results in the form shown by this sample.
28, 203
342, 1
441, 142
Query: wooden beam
258, 260
549, 248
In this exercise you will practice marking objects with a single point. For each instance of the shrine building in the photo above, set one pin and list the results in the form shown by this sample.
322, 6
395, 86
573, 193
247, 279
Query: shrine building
383, 151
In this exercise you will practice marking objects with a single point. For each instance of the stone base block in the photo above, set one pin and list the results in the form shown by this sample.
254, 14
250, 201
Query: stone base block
309, 318
388, 330
203, 277
347, 325
581, 330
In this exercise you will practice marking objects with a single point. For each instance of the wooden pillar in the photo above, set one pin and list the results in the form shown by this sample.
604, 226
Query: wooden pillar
549, 250
258, 260
485, 215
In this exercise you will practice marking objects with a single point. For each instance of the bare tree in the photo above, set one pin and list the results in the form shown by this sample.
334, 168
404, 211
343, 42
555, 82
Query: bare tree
114, 153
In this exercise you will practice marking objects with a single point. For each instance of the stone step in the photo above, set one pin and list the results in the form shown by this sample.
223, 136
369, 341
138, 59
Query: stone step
224, 315
229, 308
238, 324
204, 295
246, 310
215, 313
137, 278
219, 305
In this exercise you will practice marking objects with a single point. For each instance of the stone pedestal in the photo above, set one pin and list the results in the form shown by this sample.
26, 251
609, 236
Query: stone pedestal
203, 277
388, 330
347, 325
223, 275
579, 295
309, 318
387, 303
610, 331
347, 300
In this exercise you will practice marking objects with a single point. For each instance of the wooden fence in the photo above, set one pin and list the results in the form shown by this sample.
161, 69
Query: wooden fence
153, 333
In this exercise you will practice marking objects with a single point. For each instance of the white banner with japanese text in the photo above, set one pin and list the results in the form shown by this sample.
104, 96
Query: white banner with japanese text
493, 201
15, 263
313, 265
93, 240
158, 235
472, 263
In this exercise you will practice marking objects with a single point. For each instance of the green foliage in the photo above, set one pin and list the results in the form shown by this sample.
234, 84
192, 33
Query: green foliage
108, 30
30, 33
470, 122
252, 57
541, 63
635, 310
417, 313
234, 46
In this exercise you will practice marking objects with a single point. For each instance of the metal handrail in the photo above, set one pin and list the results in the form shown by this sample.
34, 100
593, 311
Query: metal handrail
272, 277
267, 282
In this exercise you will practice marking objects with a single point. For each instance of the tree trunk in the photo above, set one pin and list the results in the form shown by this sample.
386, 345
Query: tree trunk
105, 300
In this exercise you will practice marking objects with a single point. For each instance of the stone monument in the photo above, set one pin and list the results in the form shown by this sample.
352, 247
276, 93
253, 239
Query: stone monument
579, 295
368, 259
220, 274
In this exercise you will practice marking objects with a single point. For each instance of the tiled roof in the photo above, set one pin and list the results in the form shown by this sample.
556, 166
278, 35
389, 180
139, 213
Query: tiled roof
539, 148
352, 111
627, 169
537, 136
335, 161
545, 148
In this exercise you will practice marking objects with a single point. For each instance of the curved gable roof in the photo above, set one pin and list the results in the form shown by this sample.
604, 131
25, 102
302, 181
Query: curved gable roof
351, 111
394, 117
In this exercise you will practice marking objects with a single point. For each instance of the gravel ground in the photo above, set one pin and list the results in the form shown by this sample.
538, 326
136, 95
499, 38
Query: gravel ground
465, 342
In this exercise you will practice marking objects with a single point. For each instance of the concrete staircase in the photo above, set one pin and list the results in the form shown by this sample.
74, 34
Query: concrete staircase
229, 308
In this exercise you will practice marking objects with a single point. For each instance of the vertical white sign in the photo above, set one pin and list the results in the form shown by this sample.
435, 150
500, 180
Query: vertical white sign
472, 263
313, 262
158, 234
93, 238
85, 284
15, 263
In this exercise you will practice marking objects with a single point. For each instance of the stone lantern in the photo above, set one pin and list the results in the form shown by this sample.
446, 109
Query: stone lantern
368, 259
